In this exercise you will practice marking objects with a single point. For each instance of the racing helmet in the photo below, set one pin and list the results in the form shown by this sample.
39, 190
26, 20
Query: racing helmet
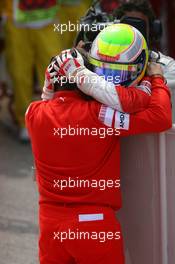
119, 54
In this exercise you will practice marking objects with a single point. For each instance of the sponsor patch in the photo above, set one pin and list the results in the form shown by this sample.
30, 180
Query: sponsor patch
122, 120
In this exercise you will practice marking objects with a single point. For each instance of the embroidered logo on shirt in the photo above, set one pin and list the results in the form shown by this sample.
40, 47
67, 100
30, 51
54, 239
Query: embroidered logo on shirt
122, 120
62, 99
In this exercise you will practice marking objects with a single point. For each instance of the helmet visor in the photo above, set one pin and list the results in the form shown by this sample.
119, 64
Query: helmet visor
118, 73
120, 76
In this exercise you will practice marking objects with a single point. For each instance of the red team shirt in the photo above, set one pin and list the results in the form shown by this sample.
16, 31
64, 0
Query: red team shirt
90, 157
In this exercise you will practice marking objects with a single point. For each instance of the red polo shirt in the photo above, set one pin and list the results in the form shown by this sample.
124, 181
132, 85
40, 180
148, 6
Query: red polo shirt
68, 143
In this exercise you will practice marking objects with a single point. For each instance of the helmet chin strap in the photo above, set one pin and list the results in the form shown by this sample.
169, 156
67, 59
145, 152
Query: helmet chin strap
134, 83
138, 79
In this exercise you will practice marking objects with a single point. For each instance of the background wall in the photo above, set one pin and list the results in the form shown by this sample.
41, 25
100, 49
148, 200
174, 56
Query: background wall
148, 187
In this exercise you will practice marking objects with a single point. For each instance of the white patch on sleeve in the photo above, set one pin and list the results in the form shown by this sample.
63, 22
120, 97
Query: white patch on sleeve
90, 217
122, 120
106, 115
145, 86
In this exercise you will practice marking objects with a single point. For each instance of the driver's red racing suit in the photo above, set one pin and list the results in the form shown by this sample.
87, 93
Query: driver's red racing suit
69, 145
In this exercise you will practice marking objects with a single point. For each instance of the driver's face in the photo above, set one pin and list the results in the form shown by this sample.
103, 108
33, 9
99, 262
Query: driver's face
140, 15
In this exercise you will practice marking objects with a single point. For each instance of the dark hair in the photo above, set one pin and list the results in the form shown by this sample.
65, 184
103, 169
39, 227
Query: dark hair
66, 86
72, 87
143, 6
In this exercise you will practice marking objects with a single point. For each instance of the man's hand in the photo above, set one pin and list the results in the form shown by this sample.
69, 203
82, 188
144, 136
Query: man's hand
154, 69
65, 65
48, 89
68, 63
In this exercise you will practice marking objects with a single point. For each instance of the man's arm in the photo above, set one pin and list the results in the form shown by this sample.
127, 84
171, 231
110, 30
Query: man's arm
70, 63
168, 66
32, 111
128, 100
156, 118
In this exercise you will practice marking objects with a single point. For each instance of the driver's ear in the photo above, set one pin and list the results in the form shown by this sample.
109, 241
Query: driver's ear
80, 44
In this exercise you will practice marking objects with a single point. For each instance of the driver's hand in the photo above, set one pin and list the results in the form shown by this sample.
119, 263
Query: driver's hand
154, 69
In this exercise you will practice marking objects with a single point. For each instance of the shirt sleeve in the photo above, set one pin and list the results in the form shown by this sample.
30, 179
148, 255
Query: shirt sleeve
32, 109
156, 118
135, 99
126, 99
168, 65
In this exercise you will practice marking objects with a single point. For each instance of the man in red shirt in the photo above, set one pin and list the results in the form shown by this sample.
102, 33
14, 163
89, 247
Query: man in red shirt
75, 143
